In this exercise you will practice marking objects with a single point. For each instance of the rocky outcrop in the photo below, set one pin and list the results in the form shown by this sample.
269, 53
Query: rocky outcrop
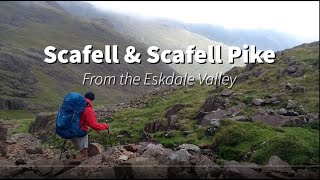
3, 138
12, 104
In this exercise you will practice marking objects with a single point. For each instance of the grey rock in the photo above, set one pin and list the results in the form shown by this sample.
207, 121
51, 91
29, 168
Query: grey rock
306, 174
297, 121
282, 111
227, 93
271, 111
204, 167
258, 101
34, 150
123, 157
20, 161
241, 118
44, 166
181, 156
312, 117
189, 147
3, 138
274, 120
275, 164
292, 104
233, 169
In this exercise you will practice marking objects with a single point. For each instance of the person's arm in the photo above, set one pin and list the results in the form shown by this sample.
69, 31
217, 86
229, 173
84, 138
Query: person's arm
92, 121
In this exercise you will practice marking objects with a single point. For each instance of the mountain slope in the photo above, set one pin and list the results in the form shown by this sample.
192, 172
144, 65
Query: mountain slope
263, 116
27, 82
153, 32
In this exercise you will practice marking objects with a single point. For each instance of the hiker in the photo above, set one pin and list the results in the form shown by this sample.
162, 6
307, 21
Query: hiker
88, 119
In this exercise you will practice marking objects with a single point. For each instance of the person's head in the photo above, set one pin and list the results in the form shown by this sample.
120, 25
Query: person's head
90, 96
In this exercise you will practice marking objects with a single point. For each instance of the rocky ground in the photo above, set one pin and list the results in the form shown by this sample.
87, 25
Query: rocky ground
23, 156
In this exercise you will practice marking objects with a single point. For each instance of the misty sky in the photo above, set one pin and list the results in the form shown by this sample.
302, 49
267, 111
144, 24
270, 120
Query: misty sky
297, 18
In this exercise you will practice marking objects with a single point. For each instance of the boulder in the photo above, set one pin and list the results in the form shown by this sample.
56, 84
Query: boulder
271, 111
171, 115
297, 121
123, 157
156, 152
131, 147
181, 155
241, 118
204, 167
189, 147
3, 139
312, 117
227, 93
141, 168
213, 119
292, 104
295, 70
277, 166
282, 111
234, 169
95, 149
306, 174
258, 101
34, 150
275, 120
212, 103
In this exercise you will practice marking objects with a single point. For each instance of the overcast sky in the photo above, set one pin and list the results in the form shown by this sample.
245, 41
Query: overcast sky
298, 18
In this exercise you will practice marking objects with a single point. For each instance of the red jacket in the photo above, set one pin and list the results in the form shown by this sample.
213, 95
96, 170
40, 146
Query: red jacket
88, 119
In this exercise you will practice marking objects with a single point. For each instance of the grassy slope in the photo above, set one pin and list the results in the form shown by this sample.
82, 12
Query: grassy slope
27, 27
235, 139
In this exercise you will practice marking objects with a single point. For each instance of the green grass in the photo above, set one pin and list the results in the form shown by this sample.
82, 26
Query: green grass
16, 114
295, 145
19, 125
133, 120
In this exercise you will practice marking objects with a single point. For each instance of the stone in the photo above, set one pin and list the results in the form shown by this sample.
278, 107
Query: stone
274, 120
258, 101
123, 157
181, 155
306, 174
292, 104
131, 147
233, 169
226, 93
141, 168
204, 167
95, 149
3, 139
271, 111
292, 113
213, 103
57, 167
297, 121
43, 166
312, 117
275, 164
20, 161
189, 147
282, 111
241, 118
34, 150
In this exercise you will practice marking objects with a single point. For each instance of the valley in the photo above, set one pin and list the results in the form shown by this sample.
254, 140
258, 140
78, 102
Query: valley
167, 118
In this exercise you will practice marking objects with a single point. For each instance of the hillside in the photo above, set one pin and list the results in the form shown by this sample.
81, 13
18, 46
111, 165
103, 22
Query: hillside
266, 127
29, 84
273, 110
154, 32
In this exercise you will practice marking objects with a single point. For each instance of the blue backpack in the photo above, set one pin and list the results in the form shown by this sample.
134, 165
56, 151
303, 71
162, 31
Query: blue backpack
68, 119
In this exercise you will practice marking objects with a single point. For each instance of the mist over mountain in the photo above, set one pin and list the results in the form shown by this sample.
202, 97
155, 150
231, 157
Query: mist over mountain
27, 82
154, 32
262, 38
